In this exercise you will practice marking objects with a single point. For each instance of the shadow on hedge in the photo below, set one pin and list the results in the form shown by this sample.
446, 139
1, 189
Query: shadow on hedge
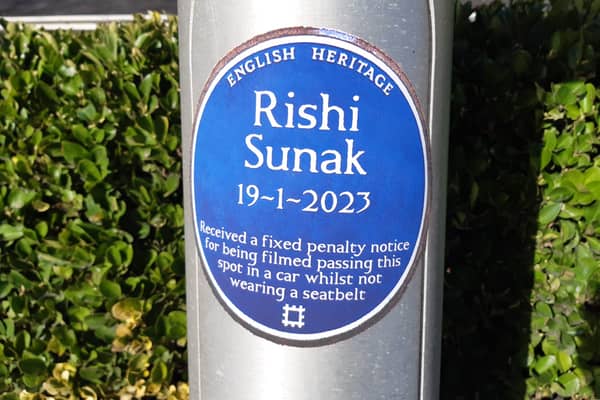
492, 204
495, 345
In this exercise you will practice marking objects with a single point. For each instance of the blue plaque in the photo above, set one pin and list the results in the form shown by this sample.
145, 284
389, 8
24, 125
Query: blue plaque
310, 188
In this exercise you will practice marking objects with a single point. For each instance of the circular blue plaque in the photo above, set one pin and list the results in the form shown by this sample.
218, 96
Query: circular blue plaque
309, 184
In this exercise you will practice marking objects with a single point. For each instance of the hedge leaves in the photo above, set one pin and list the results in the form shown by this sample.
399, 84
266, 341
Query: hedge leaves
567, 259
522, 264
91, 224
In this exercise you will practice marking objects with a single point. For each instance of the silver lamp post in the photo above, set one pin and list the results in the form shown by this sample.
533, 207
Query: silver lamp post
315, 142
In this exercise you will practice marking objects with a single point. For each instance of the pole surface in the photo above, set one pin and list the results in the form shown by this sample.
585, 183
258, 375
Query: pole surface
396, 354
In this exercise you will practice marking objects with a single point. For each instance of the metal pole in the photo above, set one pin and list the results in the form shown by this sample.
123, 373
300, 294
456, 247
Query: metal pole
315, 141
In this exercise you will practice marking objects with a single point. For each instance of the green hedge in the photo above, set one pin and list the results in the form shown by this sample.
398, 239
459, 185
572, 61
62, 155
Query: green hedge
91, 252
523, 263
564, 351
91, 225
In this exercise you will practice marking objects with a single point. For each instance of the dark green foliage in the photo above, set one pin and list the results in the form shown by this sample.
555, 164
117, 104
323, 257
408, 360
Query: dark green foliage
517, 235
564, 352
91, 223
